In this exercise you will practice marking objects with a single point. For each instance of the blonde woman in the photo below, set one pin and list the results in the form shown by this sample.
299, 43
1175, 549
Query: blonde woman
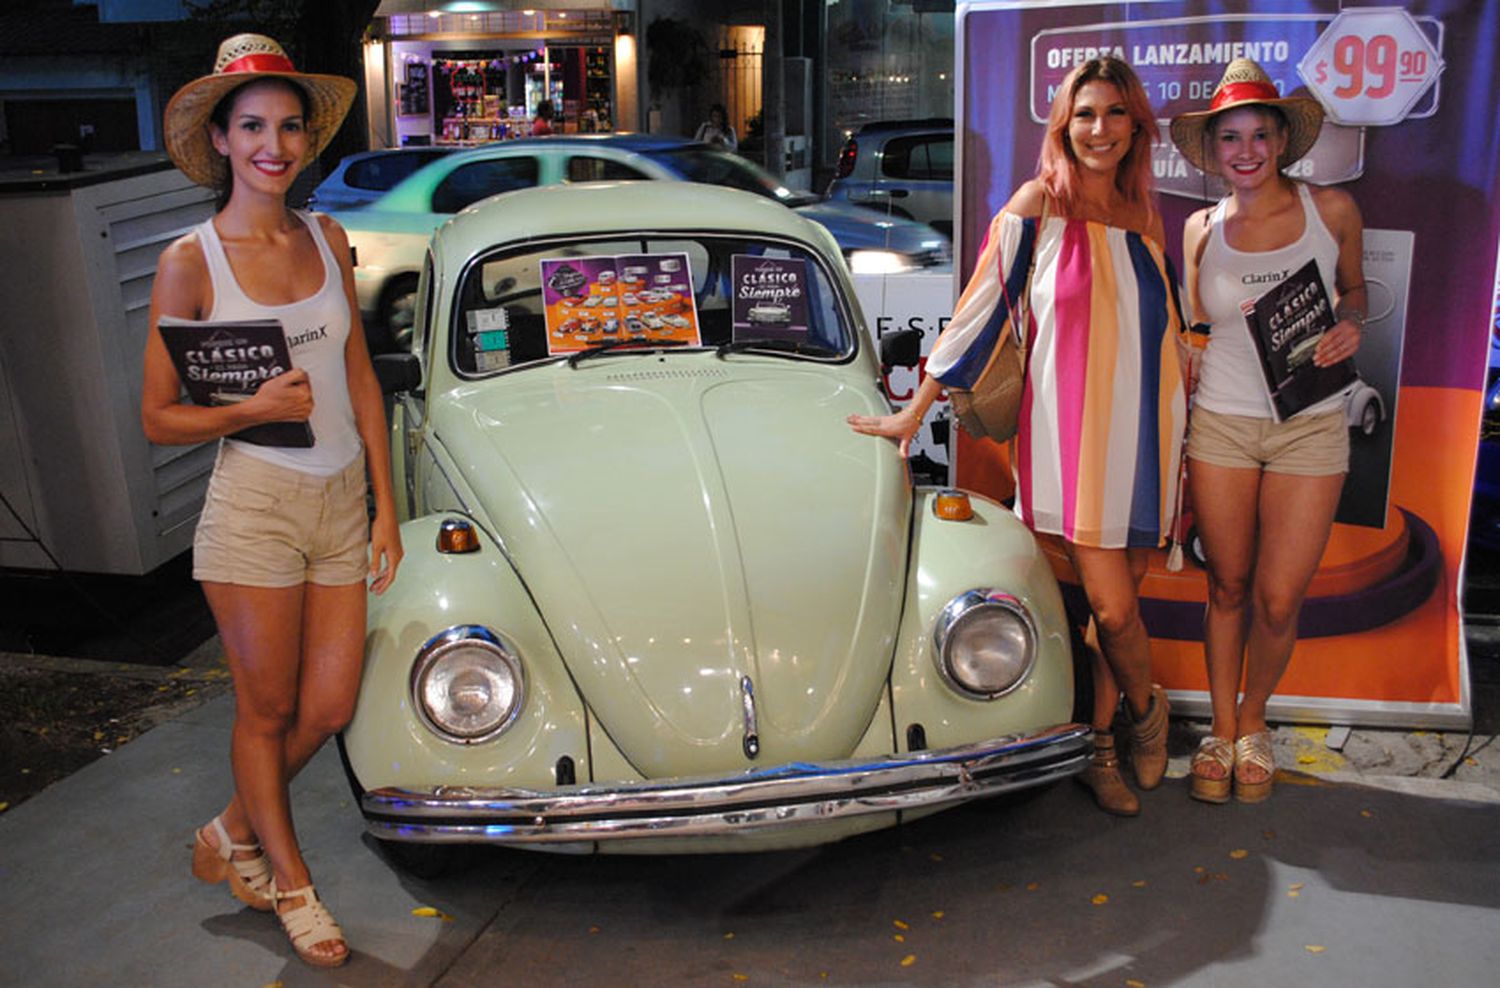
1102, 410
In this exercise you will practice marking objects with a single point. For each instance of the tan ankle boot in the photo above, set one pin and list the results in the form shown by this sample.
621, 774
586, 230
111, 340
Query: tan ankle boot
1103, 778
1148, 741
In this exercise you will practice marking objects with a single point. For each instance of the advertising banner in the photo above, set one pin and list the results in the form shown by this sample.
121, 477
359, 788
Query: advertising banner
1408, 92
590, 300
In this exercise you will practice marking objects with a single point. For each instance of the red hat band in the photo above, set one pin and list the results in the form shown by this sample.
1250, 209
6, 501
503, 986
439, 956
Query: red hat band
259, 62
1243, 92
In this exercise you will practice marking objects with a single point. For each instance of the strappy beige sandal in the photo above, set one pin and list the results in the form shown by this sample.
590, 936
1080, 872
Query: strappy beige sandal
1215, 751
310, 924
1254, 749
249, 878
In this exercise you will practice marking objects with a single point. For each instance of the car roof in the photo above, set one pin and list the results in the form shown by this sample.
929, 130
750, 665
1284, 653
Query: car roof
621, 207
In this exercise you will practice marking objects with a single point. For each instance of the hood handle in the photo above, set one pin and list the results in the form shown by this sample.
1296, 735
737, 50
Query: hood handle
752, 734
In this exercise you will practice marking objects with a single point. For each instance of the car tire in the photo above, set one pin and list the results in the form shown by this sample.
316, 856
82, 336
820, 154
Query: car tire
393, 316
1369, 418
427, 861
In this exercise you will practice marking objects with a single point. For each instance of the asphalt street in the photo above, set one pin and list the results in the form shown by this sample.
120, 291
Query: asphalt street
1347, 876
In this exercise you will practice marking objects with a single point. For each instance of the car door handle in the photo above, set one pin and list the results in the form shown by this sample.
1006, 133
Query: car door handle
898, 193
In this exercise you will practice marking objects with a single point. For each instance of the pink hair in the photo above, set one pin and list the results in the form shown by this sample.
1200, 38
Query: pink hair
1058, 167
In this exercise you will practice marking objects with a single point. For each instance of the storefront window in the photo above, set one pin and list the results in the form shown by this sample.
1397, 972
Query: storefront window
887, 60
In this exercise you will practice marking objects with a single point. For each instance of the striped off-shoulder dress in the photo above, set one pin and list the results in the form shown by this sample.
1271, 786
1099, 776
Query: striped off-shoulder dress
1103, 409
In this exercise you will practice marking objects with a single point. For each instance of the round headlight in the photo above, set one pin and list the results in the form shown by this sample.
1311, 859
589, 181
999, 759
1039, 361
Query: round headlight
985, 643
467, 684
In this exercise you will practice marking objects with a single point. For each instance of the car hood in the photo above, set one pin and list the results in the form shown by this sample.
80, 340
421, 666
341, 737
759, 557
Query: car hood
859, 228
700, 521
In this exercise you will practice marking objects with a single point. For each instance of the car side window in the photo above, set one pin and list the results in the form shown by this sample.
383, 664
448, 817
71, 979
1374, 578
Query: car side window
582, 168
478, 180
918, 158
383, 171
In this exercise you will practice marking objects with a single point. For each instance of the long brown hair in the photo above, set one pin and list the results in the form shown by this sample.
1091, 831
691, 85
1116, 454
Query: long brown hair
1058, 167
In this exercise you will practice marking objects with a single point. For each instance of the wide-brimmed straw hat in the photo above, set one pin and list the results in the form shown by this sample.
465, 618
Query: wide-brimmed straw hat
1246, 84
246, 58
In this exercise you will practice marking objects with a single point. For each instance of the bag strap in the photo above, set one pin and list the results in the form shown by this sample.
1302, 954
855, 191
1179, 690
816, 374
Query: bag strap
1020, 312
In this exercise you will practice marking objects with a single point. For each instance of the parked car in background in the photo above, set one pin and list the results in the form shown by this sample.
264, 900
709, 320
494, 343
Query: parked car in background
362, 178
901, 168
390, 236
657, 595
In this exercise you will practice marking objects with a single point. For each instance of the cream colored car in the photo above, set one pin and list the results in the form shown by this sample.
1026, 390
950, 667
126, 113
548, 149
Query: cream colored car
658, 596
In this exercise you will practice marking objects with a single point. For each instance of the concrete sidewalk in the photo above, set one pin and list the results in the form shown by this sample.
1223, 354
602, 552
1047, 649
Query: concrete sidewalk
1405, 874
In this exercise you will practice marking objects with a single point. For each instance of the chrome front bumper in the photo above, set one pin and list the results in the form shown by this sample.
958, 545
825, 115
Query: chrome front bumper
781, 796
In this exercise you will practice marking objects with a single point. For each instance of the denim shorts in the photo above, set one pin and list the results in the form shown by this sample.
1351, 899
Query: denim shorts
1309, 446
265, 525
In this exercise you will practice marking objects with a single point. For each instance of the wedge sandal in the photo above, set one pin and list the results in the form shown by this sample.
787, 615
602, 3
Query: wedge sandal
249, 878
1254, 749
1213, 751
309, 925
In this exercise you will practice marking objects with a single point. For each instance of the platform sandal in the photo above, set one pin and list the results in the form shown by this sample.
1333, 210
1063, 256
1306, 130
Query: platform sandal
310, 924
1102, 778
1254, 749
1148, 741
249, 878
1213, 751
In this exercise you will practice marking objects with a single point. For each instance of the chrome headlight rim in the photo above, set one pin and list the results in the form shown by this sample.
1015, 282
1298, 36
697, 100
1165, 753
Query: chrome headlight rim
438, 647
965, 605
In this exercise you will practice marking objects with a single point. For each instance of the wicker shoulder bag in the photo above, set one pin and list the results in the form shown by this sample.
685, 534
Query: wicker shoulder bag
992, 407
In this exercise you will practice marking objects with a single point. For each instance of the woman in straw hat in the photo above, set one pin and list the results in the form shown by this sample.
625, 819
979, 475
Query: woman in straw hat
1103, 407
1264, 493
283, 544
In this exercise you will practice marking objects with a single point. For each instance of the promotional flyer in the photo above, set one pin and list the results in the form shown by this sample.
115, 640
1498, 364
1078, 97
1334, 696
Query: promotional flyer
1408, 94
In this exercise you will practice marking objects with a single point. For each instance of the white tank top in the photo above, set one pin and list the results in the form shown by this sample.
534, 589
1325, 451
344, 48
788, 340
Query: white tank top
1230, 381
317, 327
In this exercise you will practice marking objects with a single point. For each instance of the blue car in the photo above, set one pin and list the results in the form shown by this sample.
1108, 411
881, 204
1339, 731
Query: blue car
390, 235
362, 178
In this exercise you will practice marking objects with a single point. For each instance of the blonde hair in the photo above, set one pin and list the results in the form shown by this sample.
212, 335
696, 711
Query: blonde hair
1058, 166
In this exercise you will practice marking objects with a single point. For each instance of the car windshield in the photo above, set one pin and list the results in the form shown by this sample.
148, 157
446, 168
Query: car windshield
539, 303
713, 167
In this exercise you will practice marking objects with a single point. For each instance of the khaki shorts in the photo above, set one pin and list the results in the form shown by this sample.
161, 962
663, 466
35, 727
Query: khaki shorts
265, 525
1310, 446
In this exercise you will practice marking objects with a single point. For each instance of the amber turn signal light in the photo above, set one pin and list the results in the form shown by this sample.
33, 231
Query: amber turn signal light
457, 535
951, 505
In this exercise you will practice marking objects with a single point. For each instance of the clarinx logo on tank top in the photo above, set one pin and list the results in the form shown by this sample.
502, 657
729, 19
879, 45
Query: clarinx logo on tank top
1254, 278
309, 336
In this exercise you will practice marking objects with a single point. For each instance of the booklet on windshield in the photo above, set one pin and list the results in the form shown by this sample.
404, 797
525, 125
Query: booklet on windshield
224, 362
1286, 323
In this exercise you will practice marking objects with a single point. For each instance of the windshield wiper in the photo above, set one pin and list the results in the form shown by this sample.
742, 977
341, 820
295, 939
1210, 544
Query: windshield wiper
777, 345
608, 345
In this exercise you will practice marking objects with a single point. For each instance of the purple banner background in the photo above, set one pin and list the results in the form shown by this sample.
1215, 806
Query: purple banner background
1438, 177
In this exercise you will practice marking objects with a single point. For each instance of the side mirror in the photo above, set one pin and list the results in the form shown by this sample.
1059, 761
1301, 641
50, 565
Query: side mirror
902, 348
398, 373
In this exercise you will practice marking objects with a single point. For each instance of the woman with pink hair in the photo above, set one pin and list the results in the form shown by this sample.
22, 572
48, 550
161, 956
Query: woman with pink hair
1096, 457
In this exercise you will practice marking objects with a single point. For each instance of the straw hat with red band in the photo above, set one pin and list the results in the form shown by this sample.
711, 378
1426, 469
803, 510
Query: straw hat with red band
247, 58
1246, 84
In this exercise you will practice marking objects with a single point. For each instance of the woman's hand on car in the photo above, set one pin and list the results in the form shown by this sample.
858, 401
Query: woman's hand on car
900, 426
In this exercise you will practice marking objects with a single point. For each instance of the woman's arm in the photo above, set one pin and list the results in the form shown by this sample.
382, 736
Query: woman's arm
1341, 215
182, 289
975, 306
369, 420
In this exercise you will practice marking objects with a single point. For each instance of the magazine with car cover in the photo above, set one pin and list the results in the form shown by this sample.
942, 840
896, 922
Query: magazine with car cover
1286, 323
224, 362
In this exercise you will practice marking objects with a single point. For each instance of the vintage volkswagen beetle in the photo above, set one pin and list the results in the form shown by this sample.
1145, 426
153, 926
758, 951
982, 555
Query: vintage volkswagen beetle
657, 596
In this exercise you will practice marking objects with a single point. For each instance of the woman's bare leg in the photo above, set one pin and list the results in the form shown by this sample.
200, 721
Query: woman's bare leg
1296, 517
1111, 580
1225, 501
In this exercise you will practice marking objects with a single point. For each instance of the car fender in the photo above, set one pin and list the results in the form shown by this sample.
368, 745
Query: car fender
386, 742
992, 550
